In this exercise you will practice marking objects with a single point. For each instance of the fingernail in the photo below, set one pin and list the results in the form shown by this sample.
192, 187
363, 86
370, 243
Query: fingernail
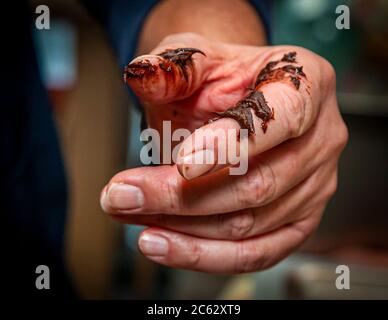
122, 196
197, 164
152, 244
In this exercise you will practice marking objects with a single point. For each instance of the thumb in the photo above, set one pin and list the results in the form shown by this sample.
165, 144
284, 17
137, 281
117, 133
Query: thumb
171, 72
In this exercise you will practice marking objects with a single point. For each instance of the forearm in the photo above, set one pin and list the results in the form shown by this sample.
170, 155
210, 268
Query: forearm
232, 21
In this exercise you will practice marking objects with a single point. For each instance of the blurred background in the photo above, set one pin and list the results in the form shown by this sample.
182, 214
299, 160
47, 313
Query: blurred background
80, 71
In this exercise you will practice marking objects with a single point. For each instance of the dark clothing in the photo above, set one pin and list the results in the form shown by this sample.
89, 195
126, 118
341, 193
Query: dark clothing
123, 19
33, 184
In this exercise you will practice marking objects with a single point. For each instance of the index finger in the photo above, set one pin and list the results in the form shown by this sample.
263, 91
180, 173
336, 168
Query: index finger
280, 107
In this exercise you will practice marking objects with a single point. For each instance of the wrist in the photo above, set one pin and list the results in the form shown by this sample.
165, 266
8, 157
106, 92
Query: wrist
233, 21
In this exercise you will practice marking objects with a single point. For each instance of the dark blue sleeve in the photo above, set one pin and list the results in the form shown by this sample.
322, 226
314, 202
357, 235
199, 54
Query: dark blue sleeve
123, 20
264, 9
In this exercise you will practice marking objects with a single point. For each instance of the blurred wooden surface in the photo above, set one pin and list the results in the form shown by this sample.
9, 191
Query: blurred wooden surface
93, 119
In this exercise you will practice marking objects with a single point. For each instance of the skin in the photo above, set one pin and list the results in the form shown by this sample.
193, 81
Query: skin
215, 222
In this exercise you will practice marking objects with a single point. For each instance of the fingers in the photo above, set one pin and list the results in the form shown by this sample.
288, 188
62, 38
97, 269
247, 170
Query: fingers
293, 206
222, 256
171, 72
162, 190
222, 139
283, 111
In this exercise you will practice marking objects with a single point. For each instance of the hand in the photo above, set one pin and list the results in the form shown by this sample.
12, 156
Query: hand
216, 222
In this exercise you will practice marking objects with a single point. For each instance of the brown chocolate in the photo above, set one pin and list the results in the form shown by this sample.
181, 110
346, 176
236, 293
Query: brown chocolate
239, 113
279, 74
181, 57
242, 113
138, 69
255, 99
289, 57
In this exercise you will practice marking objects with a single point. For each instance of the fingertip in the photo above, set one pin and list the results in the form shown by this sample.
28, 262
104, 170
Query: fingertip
209, 149
197, 164
166, 76
140, 67
146, 78
103, 196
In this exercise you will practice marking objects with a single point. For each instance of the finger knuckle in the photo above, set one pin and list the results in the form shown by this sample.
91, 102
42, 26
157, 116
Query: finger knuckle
295, 110
194, 256
258, 187
249, 258
329, 70
238, 225
169, 190
337, 145
342, 136
332, 186
174, 200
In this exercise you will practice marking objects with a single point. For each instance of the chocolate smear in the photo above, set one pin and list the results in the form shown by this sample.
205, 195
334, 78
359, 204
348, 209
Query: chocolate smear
255, 100
181, 57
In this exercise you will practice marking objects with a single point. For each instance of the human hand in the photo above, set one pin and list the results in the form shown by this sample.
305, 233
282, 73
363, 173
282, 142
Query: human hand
212, 221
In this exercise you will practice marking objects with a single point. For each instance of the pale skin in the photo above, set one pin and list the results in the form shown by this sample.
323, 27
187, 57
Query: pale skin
215, 222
